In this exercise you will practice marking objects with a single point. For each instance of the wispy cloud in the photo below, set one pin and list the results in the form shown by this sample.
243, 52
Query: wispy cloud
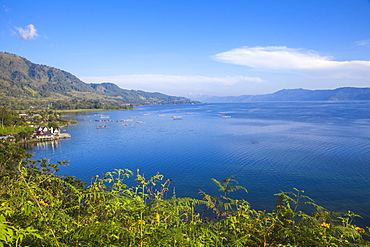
287, 60
6, 9
173, 79
173, 83
365, 42
27, 33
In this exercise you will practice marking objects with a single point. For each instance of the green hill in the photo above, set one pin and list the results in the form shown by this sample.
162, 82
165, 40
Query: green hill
24, 84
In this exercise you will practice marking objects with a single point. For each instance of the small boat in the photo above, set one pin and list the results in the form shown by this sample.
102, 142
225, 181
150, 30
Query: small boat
102, 127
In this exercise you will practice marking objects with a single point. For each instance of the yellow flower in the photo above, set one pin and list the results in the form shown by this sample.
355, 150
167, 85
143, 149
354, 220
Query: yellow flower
158, 217
44, 203
141, 222
359, 229
325, 225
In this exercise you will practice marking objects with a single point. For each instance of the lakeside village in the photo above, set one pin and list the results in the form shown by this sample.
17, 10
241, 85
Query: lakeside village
36, 127
45, 125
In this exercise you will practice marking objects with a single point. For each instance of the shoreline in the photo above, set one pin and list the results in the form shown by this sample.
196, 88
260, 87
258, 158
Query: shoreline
52, 138
92, 110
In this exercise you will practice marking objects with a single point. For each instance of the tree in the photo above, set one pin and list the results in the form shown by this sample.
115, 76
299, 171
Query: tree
23, 135
11, 155
53, 125
5, 114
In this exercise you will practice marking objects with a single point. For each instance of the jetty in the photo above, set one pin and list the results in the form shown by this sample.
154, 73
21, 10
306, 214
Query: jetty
64, 136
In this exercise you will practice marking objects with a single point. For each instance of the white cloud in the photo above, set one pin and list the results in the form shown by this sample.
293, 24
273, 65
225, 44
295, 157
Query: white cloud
173, 79
27, 33
365, 42
174, 84
282, 59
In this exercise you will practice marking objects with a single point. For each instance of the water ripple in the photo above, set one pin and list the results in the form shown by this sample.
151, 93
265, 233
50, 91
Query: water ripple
319, 147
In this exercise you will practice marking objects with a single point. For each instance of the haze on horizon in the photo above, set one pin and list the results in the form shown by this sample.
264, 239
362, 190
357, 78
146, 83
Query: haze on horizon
192, 48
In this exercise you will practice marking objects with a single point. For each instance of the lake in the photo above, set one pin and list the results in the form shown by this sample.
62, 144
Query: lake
322, 148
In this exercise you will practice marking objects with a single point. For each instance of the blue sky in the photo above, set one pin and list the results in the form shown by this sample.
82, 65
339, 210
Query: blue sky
196, 47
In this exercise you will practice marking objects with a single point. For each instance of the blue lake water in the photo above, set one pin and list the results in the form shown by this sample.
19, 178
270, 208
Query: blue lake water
320, 147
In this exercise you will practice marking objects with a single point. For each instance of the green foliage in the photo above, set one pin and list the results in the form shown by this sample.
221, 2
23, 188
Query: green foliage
8, 118
16, 129
40, 208
226, 186
88, 104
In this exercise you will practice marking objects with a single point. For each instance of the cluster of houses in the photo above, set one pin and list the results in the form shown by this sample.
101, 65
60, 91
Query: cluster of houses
44, 132
41, 132
27, 117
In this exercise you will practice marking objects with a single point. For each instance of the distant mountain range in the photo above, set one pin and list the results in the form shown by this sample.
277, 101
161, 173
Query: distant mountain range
339, 94
24, 84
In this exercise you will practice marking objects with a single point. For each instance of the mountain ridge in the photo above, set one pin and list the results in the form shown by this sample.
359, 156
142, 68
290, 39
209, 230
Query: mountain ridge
24, 84
299, 94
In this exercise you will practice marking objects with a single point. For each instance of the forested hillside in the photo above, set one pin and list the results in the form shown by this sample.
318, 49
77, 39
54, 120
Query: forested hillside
24, 84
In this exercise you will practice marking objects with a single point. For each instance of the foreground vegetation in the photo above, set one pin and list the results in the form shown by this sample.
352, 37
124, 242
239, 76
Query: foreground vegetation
40, 208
